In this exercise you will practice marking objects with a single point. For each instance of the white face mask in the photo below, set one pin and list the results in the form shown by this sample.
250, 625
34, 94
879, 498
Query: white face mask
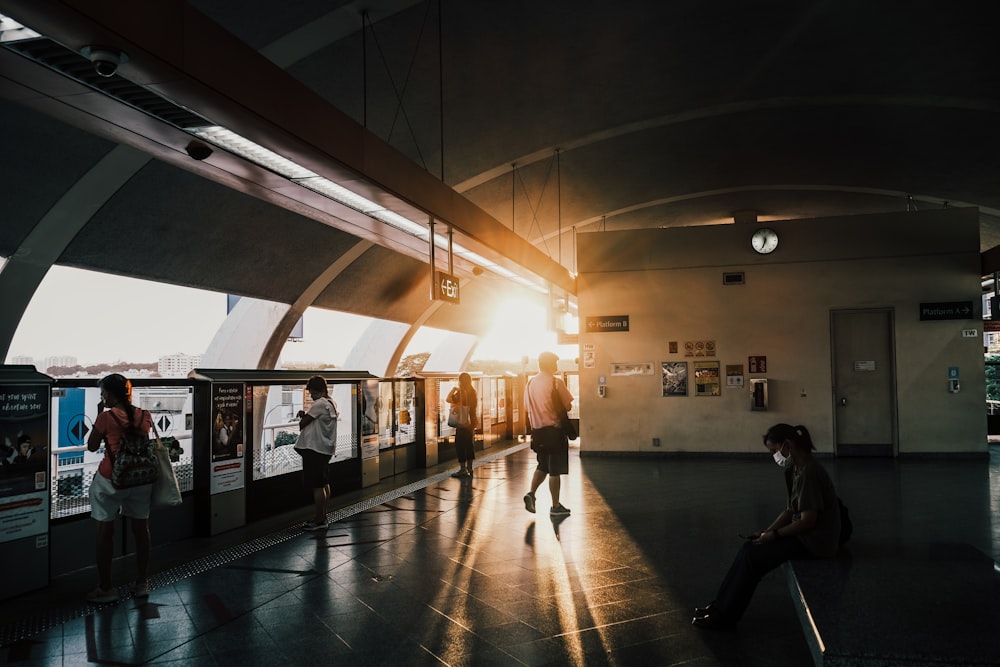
782, 460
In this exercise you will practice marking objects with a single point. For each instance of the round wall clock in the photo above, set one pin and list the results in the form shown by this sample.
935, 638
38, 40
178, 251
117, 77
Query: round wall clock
764, 240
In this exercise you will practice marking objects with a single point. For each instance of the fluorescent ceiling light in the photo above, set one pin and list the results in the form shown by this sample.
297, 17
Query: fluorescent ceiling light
243, 147
394, 219
12, 31
328, 188
256, 153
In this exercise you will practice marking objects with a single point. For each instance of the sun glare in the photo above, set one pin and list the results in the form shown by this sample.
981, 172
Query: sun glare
519, 329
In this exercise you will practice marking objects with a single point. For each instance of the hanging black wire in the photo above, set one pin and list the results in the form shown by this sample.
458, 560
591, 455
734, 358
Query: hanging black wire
399, 93
534, 208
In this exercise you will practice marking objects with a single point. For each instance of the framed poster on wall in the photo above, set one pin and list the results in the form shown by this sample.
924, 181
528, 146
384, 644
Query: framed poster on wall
675, 378
706, 379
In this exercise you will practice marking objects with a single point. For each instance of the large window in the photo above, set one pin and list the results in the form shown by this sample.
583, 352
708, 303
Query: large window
275, 453
74, 410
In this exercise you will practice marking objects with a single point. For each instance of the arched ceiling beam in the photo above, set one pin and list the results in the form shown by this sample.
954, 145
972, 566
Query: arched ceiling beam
966, 104
38, 252
452, 353
377, 347
256, 332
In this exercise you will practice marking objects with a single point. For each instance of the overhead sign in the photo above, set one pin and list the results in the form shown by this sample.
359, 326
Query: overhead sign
947, 310
447, 288
603, 323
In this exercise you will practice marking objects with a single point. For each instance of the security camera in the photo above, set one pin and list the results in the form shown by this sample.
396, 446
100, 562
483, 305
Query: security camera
198, 150
106, 60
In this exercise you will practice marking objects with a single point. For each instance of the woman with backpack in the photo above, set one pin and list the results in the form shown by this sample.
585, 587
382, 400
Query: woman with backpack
118, 420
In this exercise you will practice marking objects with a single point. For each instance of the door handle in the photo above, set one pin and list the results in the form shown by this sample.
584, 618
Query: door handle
843, 400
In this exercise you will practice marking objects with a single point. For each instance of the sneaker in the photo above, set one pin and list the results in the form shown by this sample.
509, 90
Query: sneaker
529, 502
312, 525
140, 590
559, 510
460, 473
101, 596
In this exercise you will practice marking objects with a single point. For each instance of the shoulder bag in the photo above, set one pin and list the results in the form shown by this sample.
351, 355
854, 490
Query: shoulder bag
166, 490
458, 416
568, 428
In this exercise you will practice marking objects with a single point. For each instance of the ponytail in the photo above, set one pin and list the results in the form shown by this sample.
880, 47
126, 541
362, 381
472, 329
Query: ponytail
799, 435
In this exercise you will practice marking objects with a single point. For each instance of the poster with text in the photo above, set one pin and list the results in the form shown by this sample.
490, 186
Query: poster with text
24, 461
706, 378
228, 435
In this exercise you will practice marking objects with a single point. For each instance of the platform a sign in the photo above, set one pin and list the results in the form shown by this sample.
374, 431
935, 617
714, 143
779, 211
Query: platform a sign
947, 310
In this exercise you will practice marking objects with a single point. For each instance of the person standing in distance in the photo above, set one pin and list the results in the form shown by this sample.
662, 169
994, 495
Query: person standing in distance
317, 436
465, 442
549, 441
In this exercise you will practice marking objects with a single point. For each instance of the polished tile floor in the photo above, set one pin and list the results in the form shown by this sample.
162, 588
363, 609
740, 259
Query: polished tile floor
456, 572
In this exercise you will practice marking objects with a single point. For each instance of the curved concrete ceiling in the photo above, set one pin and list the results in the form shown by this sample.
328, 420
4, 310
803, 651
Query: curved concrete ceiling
516, 120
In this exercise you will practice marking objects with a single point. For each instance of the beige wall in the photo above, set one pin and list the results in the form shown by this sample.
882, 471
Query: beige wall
669, 283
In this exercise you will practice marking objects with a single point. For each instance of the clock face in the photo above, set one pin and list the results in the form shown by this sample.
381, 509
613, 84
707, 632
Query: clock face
764, 240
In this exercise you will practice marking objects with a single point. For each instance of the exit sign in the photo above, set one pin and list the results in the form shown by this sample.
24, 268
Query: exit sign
446, 288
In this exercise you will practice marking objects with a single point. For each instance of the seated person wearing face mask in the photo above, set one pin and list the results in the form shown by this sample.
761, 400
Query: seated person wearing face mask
809, 527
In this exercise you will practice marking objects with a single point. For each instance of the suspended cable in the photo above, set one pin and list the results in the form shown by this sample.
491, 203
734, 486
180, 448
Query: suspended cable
559, 201
441, 84
364, 70
400, 108
513, 182
534, 209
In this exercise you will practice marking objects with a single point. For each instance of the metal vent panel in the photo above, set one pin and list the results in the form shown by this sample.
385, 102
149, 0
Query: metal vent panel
75, 66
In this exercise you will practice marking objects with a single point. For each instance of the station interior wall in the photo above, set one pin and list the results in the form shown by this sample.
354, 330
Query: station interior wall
669, 282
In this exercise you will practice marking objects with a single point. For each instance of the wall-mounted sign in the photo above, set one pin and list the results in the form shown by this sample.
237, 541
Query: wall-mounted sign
641, 368
866, 366
603, 323
947, 310
757, 364
699, 348
446, 288
734, 375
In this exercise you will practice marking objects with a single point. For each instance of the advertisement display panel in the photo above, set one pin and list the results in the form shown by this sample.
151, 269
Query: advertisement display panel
24, 449
228, 436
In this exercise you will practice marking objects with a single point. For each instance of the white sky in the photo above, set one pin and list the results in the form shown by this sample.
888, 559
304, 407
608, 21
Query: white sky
61, 321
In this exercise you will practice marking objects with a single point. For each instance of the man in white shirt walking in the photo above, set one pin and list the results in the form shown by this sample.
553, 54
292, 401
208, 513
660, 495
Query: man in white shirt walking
548, 440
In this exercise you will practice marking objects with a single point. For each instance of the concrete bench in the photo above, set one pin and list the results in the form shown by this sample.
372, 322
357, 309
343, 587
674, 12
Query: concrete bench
939, 606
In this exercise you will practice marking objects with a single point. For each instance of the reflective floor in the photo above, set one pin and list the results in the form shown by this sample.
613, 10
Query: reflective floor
456, 572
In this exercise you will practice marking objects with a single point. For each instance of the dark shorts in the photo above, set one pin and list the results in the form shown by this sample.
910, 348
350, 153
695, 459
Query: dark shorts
553, 450
315, 468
